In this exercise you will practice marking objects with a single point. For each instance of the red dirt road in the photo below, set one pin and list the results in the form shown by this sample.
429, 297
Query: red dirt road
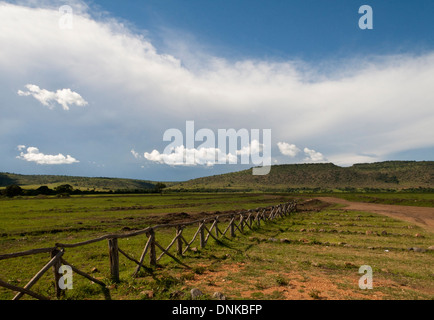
421, 216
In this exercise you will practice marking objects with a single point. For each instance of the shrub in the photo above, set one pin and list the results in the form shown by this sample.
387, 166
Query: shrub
13, 191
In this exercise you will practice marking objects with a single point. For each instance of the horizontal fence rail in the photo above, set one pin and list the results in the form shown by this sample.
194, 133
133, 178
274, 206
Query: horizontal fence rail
206, 228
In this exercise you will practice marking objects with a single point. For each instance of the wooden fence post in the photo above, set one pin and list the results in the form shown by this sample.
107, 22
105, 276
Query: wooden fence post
216, 227
114, 259
202, 235
179, 240
270, 216
142, 257
232, 228
56, 268
152, 252
241, 223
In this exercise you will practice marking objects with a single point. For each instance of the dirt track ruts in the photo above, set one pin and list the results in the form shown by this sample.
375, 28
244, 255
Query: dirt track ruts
421, 216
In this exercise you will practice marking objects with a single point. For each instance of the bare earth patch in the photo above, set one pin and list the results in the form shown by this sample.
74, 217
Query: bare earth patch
299, 285
421, 216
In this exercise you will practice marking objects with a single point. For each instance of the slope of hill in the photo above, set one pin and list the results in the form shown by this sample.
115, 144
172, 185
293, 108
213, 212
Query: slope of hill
382, 175
82, 183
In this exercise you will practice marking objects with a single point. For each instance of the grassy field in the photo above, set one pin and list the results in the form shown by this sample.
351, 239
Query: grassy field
398, 198
109, 213
313, 254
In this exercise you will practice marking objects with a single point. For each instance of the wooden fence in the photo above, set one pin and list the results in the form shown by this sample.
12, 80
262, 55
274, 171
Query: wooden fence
206, 229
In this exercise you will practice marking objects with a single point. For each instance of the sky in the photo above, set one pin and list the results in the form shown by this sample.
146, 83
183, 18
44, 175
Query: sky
117, 88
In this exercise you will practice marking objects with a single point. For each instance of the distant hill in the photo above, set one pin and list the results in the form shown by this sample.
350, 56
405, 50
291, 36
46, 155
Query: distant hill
394, 175
381, 175
82, 183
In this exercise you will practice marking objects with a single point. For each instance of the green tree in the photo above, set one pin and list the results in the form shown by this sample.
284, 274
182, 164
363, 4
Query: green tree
12, 191
44, 190
159, 187
64, 188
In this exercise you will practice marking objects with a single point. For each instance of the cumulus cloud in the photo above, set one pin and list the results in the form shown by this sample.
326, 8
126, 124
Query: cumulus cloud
64, 97
206, 156
287, 149
181, 156
255, 147
291, 150
314, 156
33, 154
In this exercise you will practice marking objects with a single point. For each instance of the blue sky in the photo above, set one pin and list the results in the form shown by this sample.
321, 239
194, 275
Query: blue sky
309, 29
96, 99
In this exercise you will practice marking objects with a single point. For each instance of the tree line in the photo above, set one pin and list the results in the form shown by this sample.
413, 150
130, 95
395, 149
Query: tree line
68, 190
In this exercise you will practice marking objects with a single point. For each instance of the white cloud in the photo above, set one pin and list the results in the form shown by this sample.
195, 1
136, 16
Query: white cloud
291, 150
64, 97
181, 156
253, 148
348, 159
314, 156
34, 155
135, 154
287, 149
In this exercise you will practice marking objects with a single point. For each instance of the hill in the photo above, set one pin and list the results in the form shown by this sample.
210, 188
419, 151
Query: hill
395, 175
82, 183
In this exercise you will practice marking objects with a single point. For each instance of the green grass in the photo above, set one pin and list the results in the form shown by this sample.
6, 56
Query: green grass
77, 214
318, 260
397, 198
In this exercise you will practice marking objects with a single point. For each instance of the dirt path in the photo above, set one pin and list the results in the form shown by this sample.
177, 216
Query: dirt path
421, 216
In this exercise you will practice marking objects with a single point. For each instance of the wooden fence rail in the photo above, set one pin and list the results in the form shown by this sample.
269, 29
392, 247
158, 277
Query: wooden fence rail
238, 222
